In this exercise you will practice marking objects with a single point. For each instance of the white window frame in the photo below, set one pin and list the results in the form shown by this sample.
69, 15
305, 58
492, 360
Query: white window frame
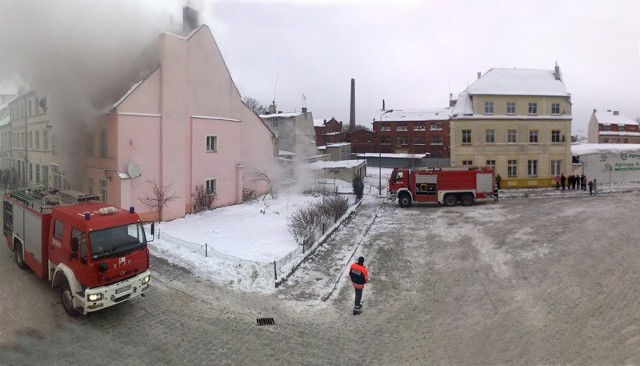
533, 108
512, 168
555, 108
511, 108
555, 167
488, 107
532, 168
490, 136
466, 137
211, 186
211, 143
555, 136
533, 136
510, 134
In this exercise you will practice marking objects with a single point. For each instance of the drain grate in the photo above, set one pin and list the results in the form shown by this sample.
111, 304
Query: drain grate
266, 321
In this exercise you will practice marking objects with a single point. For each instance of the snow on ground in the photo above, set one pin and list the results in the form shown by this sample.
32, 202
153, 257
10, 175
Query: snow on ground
244, 240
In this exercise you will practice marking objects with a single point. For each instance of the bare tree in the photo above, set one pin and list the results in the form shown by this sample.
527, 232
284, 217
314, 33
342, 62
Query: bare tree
262, 176
202, 200
253, 104
159, 198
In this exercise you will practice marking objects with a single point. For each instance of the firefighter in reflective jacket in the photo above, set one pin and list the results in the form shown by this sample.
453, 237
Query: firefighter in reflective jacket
359, 276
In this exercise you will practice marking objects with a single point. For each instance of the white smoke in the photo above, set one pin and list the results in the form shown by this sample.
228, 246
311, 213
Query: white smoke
83, 55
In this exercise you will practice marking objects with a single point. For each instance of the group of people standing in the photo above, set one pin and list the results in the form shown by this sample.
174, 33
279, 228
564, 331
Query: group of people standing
576, 182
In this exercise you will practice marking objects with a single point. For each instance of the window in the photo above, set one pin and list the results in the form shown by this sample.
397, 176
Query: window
45, 137
606, 140
401, 140
82, 242
511, 136
274, 123
30, 167
511, 108
30, 139
401, 127
38, 140
555, 108
57, 229
620, 128
555, 167
533, 108
467, 162
37, 173
104, 190
418, 127
489, 136
103, 143
488, 107
212, 143
533, 136
491, 164
512, 168
385, 140
605, 127
211, 186
466, 137
435, 126
418, 140
436, 140
532, 166
555, 136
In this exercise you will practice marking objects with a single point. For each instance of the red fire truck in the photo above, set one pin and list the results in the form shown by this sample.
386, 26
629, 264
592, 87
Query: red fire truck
447, 185
95, 254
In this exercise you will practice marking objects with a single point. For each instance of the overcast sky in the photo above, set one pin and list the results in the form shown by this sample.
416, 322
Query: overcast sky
413, 54
410, 53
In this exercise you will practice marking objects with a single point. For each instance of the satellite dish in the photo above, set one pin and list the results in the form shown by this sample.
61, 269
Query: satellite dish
134, 170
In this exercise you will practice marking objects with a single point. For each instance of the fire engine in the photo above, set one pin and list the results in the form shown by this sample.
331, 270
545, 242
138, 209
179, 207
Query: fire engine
446, 186
94, 253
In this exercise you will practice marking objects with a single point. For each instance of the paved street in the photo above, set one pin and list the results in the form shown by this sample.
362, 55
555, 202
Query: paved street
523, 281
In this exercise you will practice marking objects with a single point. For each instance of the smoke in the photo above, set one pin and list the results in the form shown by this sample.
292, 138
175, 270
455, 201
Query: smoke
83, 56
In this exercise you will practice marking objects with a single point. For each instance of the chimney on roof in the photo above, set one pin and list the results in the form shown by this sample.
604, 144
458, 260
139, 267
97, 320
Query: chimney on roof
556, 72
272, 108
304, 109
594, 110
615, 113
452, 102
479, 74
352, 117
189, 19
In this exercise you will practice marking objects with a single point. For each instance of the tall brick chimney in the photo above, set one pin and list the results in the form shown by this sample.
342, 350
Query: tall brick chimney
352, 117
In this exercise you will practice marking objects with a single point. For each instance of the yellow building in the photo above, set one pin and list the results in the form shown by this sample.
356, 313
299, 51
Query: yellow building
517, 121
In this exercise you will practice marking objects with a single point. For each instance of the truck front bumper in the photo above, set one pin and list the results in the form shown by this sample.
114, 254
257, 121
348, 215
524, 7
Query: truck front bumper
99, 298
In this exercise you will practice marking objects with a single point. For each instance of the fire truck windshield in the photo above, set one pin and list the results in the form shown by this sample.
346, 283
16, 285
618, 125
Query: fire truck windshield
116, 240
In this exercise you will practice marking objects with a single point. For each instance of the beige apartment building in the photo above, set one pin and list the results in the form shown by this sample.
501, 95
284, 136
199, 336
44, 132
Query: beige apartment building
517, 121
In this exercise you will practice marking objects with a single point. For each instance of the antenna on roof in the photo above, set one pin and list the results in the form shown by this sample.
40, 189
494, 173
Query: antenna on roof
275, 87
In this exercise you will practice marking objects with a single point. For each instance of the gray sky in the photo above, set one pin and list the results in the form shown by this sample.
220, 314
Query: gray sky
414, 53
411, 53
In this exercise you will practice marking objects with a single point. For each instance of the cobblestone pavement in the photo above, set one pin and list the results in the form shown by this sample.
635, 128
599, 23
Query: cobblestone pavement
521, 281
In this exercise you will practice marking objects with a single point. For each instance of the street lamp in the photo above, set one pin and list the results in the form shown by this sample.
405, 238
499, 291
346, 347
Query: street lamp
380, 151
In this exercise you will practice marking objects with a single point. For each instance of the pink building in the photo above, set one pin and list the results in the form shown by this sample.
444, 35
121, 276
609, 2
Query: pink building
183, 126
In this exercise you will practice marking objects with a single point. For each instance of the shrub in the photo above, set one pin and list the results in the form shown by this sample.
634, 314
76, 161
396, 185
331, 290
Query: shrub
202, 200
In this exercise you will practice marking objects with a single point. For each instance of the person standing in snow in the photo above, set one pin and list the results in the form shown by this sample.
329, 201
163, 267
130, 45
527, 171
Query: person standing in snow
595, 187
583, 180
563, 180
359, 277
557, 182
590, 188
498, 180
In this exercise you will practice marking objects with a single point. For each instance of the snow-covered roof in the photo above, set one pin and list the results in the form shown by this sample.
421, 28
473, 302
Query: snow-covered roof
281, 115
318, 122
319, 165
401, 115
611, 118
339, 144
518, 82
393, 156
584, 149
285, 153
616, 133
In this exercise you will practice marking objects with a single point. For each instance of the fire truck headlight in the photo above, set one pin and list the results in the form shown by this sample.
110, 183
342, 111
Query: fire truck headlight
95, 297
146, 279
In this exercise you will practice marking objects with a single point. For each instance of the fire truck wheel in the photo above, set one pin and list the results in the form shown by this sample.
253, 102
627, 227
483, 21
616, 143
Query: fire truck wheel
67, 299
450, 199
404, 200
19, 256
467, 199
